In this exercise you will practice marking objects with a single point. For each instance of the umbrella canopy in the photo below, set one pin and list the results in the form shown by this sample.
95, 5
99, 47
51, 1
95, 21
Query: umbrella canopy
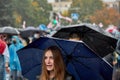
80, 61
9, 30
102, 42
29, 31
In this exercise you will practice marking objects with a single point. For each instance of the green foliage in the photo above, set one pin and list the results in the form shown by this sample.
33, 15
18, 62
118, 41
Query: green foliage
44, 12
21, 8
6, 13
34, 12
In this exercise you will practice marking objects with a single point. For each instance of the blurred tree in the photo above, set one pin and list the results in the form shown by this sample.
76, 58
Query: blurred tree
34, 12
6, 18
41, 12
85, 8
106, 16
65, 13
21, 10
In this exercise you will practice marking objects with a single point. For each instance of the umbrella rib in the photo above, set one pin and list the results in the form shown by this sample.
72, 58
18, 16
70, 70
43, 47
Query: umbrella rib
31, 68
94, 32
61, 47
98, 37
75, 68
82, 57
81, 63
73, 49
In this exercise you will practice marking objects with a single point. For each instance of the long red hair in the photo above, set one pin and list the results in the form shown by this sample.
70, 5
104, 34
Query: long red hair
59, 67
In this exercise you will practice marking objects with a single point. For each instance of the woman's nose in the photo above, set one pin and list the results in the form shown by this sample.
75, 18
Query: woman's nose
48, 60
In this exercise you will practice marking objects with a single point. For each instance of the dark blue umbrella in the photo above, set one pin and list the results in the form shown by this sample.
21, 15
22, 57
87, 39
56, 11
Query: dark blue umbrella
30, 60
80, 61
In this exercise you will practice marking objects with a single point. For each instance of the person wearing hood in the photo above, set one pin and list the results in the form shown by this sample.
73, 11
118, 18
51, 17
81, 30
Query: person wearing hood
15, 66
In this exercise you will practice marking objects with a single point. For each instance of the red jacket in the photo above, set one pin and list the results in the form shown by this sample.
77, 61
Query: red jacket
2, 46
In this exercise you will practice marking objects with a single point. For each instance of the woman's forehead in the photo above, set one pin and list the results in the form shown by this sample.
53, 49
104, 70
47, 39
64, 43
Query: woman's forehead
48, 53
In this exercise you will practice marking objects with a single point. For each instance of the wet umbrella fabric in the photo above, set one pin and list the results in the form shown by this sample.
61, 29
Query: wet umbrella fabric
9, 30
30, 60
80, 61
29, 32
95, 37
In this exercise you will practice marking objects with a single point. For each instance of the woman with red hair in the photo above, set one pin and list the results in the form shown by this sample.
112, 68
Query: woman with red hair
53, 67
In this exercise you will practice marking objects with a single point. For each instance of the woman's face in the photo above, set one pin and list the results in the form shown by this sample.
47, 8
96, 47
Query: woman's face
49, 61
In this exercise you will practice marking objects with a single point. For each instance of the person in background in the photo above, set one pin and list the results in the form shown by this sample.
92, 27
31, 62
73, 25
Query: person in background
6, 38
15, 66
116, 62
116, 33
4, 58
75, 36
36, 36
22, 40
53, 67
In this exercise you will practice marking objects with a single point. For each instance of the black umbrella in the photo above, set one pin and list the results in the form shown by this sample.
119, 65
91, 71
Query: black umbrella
95, 37
30, 30
80, 61
9, 30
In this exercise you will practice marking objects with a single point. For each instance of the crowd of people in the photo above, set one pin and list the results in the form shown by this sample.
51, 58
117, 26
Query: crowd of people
10, 63
4, 58
116, 62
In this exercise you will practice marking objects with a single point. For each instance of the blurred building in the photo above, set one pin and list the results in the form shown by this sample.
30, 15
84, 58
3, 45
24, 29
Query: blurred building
60, 5
112, 4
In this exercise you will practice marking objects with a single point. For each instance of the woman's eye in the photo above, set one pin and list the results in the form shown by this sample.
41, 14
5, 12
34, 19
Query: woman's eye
45, 57
51, 57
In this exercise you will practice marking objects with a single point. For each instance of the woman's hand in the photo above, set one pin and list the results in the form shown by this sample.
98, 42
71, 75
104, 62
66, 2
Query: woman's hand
114, 62
7, 67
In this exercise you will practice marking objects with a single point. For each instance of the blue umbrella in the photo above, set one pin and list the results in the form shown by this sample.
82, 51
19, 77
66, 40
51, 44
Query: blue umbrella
80, 61
42, 27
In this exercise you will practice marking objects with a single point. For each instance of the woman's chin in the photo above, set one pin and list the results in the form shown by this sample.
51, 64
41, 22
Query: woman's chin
50, 68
